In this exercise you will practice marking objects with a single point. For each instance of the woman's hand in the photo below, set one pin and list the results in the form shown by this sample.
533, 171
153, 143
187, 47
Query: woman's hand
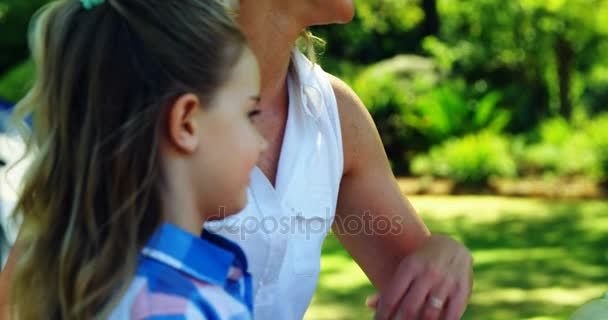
434, 282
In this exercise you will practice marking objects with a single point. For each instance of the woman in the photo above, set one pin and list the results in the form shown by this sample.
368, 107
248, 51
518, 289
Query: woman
325, 164
323, 147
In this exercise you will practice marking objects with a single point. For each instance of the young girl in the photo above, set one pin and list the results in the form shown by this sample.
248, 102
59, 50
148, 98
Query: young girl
142, 129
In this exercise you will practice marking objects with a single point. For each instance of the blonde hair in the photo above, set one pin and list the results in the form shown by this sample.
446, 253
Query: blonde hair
91, 197
309, 43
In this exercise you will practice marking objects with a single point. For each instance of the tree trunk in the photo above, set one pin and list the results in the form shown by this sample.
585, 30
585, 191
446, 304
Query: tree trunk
565, 58
431, 18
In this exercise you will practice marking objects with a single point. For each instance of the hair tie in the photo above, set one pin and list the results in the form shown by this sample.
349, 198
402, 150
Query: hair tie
90, 4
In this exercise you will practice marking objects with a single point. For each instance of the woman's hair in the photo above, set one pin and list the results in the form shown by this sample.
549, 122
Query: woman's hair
309, 43
91, 198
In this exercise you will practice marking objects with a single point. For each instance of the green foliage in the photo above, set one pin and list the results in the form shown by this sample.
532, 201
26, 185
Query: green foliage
597, 134
412, 106
379, 30
543, 47
450, 110
389, 89
381, 16
15, 84
559, 148
566, 150
470, 161
14, 21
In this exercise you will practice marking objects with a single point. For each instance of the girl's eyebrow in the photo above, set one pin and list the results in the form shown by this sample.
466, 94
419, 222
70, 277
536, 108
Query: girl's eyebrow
256, 98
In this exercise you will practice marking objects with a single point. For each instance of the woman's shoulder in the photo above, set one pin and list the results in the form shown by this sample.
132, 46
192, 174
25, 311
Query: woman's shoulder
360, 137
346, 97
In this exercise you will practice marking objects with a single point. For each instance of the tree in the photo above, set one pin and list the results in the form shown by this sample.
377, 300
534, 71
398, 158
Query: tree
15, 16
431, 24
540, 46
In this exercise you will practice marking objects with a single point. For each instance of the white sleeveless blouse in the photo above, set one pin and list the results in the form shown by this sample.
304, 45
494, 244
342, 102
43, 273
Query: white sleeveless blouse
283, 227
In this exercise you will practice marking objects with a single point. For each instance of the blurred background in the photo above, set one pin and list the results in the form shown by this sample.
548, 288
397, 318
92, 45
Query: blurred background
494, 115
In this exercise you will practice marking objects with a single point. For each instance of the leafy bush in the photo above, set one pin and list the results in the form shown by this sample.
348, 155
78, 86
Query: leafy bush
596, 132
15, 17
414, 108
15, 84
542, 156
379, 30
388, 89
470, 161
450, 110
567, 150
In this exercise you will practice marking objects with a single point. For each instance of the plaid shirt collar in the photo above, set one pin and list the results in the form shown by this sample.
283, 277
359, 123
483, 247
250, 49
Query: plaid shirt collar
210, 258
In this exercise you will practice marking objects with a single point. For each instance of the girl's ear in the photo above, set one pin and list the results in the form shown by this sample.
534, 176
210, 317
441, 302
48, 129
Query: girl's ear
182, 123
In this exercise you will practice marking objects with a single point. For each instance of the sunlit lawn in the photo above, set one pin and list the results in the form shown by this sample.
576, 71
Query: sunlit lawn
534, 259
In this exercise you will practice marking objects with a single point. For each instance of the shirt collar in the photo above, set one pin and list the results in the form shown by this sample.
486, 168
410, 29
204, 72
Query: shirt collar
209, 258
305, 76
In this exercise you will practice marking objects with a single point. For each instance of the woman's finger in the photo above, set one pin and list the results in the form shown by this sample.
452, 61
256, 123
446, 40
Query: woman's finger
436, 301
390, 298
457, 303
412, 304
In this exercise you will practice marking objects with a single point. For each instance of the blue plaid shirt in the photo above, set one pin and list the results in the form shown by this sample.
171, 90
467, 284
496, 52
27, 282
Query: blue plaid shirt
184, 277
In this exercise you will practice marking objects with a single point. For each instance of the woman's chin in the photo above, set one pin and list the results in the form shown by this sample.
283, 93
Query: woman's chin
334, 12
347, 12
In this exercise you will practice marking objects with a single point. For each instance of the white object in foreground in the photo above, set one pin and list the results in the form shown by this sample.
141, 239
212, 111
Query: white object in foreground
593, 310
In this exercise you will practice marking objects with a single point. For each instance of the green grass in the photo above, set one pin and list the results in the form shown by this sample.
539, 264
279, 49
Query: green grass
534, 259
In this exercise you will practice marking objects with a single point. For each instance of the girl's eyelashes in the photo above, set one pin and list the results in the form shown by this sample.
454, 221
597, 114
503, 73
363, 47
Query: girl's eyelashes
251, 114
254, 108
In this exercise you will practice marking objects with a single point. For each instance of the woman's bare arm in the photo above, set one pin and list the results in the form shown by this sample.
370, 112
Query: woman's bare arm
406, 263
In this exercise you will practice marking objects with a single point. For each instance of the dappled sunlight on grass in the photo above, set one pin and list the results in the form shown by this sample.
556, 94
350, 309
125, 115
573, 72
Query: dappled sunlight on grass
534, 259
492, 256
338, 271
562, 296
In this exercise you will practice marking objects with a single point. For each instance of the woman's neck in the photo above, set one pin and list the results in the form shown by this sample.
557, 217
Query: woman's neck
273, 49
